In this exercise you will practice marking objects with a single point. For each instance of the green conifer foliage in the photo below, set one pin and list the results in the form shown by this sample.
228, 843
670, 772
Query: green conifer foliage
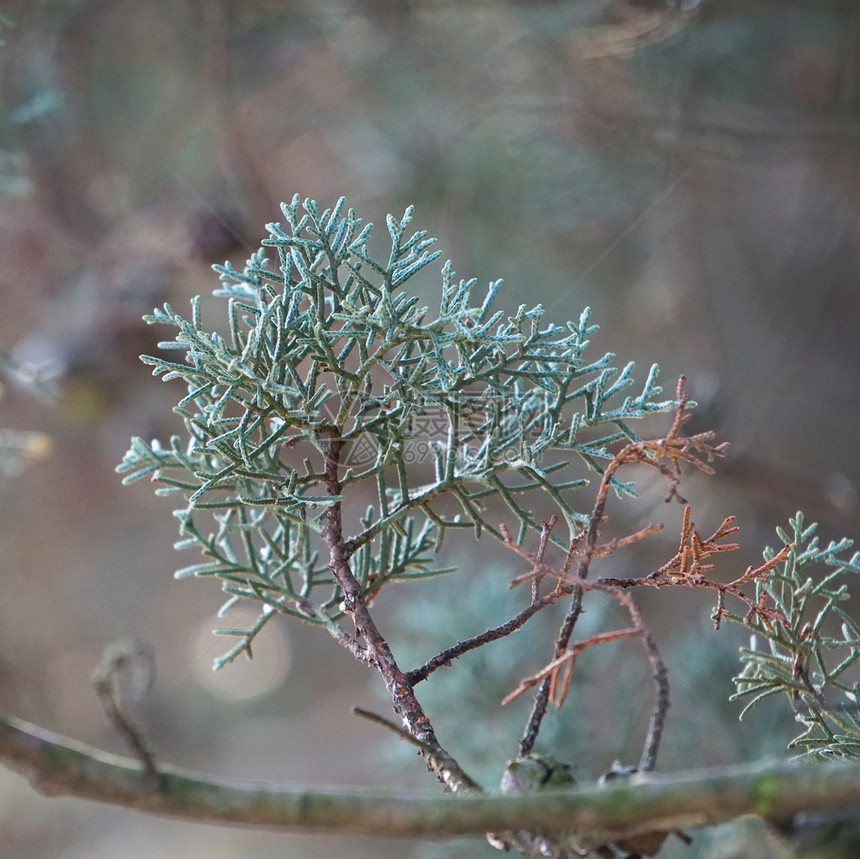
326, 345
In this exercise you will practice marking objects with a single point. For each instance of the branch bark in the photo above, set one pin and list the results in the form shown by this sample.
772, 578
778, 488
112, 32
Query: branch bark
775, 791
403, 698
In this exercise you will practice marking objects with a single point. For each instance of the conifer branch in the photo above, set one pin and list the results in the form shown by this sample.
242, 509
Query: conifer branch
335, 386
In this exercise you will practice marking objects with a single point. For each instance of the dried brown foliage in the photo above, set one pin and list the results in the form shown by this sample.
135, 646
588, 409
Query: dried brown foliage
690, 566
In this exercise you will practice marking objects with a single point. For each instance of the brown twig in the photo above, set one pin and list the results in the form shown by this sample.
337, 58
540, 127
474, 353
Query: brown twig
667, 455
405, 704
545, 532
687, 568
125, 673
540, 570
444, 658
660, 676
557, 675
387, 723
537, 603
558, 671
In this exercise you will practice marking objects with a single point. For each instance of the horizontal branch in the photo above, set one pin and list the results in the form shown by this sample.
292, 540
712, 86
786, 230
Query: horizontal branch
776, 791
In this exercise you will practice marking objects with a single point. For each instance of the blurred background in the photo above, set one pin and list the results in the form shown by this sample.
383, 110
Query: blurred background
689, 170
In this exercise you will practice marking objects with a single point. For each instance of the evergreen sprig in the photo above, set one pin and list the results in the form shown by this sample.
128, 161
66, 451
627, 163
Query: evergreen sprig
809, 658
325, 344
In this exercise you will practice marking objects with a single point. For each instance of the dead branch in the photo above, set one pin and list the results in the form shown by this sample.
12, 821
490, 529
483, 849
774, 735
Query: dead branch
687, 568
667, 455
